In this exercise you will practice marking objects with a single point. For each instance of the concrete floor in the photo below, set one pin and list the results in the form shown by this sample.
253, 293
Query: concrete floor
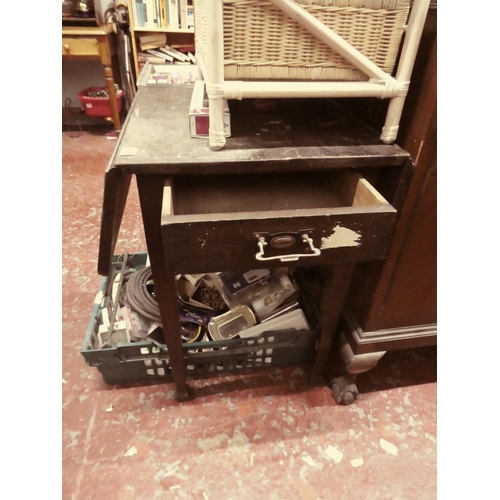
263, 436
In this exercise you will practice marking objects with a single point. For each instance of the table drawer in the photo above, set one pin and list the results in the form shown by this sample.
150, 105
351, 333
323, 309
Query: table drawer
80, 47
218, 223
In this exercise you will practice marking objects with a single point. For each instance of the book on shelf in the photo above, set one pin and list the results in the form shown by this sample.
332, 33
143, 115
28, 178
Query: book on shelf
139, 13
175, 53
190, 17
151, 14
153, 37
154, 14
183, 14
161, 54
133, 11
184, 48
152, 41
147, 46
159, 38
163, 13
143, 57
173, 7
158, 13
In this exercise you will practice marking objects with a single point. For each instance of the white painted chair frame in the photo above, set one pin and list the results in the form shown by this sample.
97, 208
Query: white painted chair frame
380, 83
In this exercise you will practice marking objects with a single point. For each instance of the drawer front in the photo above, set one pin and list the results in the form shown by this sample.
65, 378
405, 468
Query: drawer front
212, 246
80, 47
211, 242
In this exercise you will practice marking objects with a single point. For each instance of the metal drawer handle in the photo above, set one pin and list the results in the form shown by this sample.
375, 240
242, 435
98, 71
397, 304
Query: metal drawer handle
287, 258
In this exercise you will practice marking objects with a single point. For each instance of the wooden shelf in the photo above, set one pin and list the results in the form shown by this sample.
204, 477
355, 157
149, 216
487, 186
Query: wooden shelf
163, 30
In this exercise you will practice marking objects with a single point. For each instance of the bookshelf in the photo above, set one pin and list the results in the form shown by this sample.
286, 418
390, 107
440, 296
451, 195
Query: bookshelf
173, 18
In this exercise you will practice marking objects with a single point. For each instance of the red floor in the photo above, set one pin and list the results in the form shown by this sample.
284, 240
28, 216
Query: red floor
264, 436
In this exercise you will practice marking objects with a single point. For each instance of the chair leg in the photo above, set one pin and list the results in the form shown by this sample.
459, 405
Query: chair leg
215, 67
411, 43
216, 134
391, 126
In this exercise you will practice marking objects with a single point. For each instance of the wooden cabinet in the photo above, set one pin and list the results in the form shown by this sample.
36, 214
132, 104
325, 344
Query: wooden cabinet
392, 304
404, 291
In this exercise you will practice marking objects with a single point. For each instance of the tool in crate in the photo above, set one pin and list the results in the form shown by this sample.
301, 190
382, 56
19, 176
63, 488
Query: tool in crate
283, 340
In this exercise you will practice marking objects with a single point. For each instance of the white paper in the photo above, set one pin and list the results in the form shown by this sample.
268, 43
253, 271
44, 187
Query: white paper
335, 454
388, 447
132, 451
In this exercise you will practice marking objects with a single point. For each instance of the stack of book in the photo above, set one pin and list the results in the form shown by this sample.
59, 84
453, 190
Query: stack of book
153, 41
171, 14
160, 53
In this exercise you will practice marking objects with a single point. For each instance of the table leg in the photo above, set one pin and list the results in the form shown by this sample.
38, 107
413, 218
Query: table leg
331, 307
110, 85
150, 195
116, 188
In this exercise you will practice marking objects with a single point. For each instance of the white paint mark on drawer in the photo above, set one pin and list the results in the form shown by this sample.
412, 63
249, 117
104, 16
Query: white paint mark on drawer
341, 237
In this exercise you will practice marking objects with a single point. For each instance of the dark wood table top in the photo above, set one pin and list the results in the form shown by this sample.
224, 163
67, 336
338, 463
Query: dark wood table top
300, 134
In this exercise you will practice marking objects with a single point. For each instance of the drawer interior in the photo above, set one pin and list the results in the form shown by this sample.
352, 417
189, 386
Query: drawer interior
269, 192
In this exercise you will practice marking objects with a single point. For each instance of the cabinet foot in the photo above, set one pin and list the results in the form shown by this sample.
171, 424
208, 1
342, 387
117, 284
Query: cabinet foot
344, 389
183, 395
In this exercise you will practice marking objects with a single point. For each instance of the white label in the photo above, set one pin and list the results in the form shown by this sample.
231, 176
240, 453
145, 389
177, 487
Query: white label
128, 151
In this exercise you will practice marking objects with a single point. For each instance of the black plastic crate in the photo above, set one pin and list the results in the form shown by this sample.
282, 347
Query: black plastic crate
145, 361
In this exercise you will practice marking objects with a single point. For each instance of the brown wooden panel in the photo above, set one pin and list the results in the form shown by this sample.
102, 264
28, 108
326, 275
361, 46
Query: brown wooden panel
387, 339
413, 246
412, 296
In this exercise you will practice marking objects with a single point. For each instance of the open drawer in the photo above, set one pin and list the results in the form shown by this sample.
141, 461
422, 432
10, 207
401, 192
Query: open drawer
232, 222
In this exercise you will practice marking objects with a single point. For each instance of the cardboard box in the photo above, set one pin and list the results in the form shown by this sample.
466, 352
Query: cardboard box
198, 112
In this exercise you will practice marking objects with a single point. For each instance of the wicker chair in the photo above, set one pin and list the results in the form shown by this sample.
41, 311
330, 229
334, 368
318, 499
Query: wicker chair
306, 48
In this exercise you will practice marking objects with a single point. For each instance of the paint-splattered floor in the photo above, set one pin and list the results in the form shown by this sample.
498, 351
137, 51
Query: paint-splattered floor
263, 436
